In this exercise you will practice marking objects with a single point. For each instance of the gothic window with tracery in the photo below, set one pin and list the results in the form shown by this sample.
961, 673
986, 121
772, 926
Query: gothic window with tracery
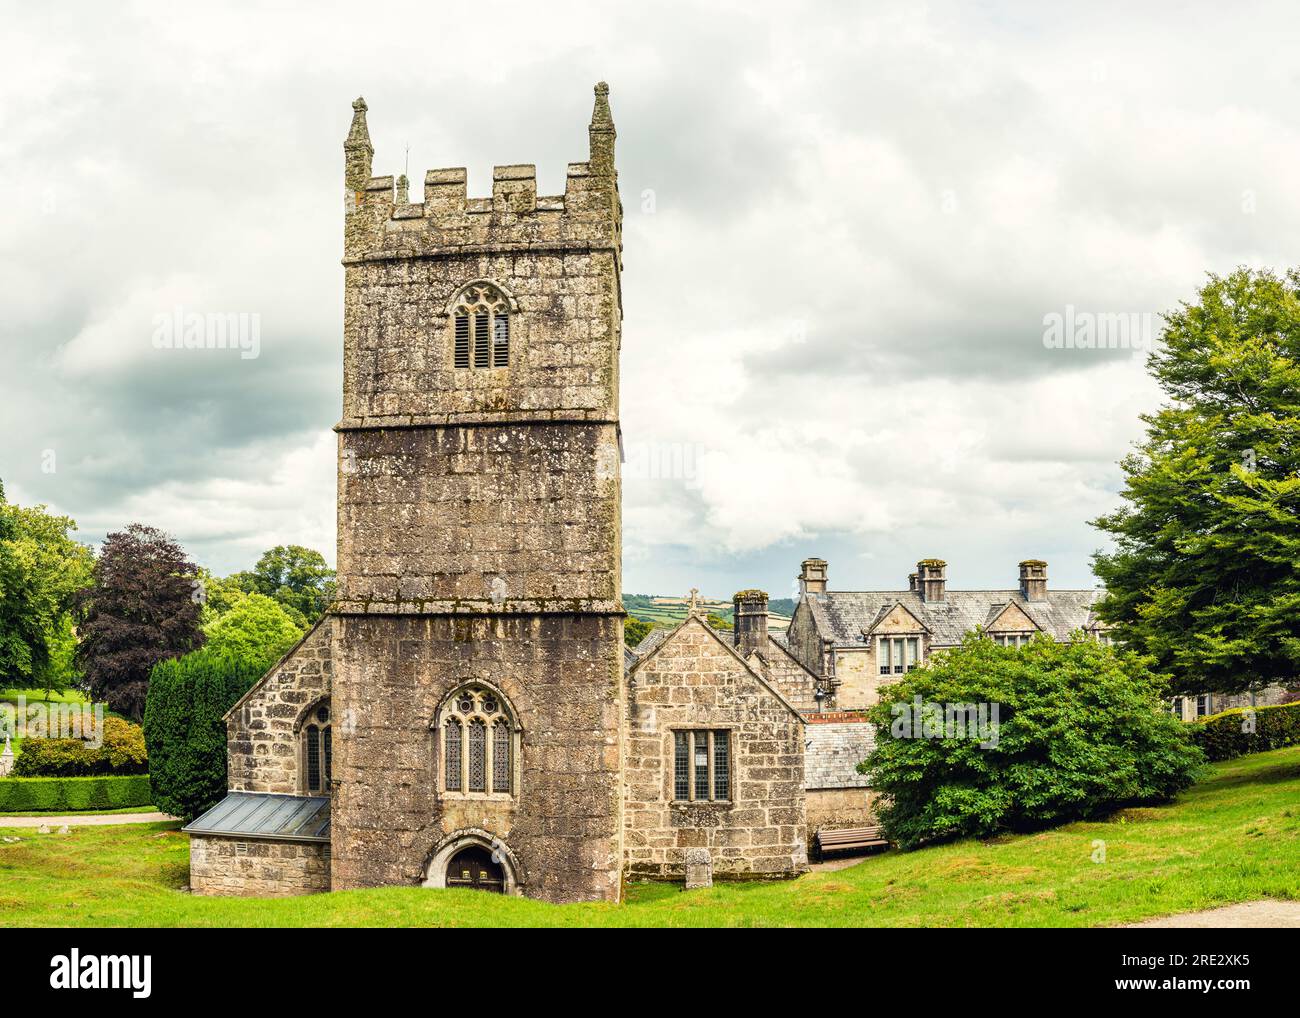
317, 750
482, 328
480, 743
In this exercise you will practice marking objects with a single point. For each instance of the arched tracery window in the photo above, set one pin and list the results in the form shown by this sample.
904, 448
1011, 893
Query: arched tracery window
479, 743
482, 328
317, 750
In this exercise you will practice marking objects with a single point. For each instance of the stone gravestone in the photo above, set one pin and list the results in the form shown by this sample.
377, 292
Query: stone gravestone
699, 868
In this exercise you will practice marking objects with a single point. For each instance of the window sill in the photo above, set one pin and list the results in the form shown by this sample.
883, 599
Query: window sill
477, 796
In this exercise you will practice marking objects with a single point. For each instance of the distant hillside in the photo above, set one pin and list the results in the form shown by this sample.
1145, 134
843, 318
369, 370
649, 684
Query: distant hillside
668, 611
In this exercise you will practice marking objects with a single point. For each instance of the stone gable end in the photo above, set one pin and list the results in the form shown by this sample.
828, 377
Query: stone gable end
692, 682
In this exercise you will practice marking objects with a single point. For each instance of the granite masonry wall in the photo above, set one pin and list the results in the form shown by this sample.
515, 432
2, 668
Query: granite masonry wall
262, 727
696, 681
257, 868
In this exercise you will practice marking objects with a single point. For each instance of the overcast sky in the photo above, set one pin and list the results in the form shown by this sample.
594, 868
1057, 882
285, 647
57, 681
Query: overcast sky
843, 233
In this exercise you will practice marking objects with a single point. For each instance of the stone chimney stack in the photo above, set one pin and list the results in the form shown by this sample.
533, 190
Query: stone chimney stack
750, 621
930, 577
812, 578
911, 582
1033, 580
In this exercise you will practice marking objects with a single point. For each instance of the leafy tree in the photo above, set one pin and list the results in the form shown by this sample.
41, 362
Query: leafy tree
719, 622
256, 630
218, 595
1080, 730
184, 731
1203, 575
635, 630
142, 608
41, 569
295, 576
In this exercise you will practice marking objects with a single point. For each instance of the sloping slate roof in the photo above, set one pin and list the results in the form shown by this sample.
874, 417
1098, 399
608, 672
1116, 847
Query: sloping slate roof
844, 616
832, 754
629, 658
264, 815
653, 638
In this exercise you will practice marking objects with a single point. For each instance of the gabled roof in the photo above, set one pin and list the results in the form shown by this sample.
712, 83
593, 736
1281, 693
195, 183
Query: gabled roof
256, 686
266, 815
887, 610
1013, 613
843, 616
667, 638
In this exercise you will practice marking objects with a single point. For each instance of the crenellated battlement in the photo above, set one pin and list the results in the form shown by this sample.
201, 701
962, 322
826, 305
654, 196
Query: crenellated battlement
382, 222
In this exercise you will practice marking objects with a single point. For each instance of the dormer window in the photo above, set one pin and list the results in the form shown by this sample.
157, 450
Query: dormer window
1015, 640
481, 328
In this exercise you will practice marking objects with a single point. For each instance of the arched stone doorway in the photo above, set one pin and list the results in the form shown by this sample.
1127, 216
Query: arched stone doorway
474, 868
473, 858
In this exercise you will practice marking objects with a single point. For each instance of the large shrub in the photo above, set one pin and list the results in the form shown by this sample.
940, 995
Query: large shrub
184, 730
1080, 730
65, 795
122, 751
1247, 730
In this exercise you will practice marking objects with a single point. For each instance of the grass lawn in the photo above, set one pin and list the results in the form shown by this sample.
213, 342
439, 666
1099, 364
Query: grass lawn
1233, 837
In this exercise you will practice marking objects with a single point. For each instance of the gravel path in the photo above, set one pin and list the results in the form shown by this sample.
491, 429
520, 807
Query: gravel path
94, 820
1268, 914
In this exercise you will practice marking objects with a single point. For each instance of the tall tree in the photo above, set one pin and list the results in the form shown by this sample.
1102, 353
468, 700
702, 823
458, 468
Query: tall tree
257, 630
143, 607
1203, 576
295, 576
41, 569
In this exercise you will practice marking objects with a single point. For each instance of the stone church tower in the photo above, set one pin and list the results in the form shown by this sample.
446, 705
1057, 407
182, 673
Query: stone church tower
477, 637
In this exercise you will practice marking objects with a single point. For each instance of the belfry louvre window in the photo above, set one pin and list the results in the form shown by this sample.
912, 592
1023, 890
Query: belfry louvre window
702, 765
480, 741
898, 654
481, 328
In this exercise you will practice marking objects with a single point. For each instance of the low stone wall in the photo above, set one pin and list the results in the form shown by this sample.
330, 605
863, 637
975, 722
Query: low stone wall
840, 807
251, 868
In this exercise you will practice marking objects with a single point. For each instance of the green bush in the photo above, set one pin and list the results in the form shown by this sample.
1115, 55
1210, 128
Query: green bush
72, 795
1229, 733
184, 730
1081, 730
121, 751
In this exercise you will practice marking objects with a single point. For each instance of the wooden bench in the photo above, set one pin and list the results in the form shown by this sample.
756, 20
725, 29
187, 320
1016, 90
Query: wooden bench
849, 838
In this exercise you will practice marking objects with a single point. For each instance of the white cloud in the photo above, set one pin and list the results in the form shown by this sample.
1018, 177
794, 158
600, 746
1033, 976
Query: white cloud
861, 219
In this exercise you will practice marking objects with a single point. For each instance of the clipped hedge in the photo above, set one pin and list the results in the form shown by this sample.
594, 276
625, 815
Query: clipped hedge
1225, 735
73, 795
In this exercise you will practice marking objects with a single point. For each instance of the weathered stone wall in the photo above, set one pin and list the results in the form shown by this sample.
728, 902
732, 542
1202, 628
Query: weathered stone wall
257, 868
261, 729
561, 675
832, 808
517, 517
788, 677
694, 681
804, 641
858, 678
